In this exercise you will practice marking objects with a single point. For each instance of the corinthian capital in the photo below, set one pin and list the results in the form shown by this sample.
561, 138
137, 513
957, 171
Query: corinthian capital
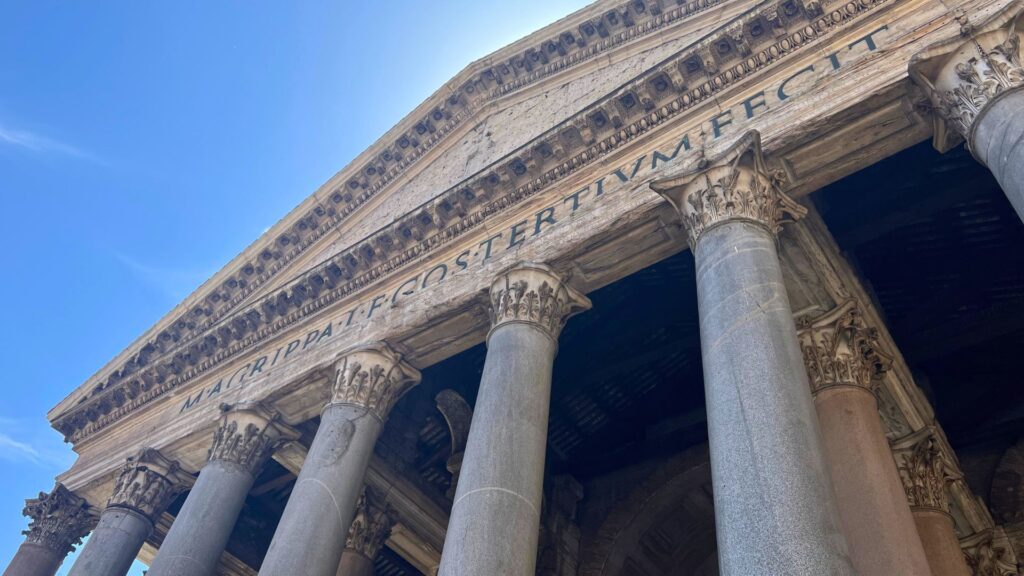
148, 483
248, 434
733, 185
964, 75
59, 519
534, 294
373, 376
370, 527
925, 469
841, 350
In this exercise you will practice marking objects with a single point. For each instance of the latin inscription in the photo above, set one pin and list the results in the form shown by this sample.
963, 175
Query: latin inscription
534, 227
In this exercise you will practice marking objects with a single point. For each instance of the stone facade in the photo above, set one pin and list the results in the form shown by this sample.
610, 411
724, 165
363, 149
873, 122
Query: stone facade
589, 153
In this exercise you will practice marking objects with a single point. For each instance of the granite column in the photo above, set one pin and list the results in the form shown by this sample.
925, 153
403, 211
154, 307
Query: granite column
843, 362
247, 435
310, 537
370, 528
496, 512
926, 472
58, 522
775, 508
977, 90
145, 487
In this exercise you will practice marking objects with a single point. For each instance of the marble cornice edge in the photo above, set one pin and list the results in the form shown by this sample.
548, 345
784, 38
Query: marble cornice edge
806, 32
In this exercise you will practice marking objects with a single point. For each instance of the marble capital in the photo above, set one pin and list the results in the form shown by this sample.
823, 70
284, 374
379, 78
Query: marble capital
148, 483
58, 520
530, 293
734, 185
962, 77
925, 470
840, 349
989, 553
370, 527
248, 434
372, 376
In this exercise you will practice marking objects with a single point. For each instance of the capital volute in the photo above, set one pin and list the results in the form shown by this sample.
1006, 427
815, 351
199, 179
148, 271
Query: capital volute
248, 434
963, 76
370, 527
372, 376
733, 185
925, 469
531, 293
148, 483
58, 520
840, 349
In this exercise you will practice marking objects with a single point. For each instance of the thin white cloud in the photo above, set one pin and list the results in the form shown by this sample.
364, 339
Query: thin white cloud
38, 143
12, 449
175, 283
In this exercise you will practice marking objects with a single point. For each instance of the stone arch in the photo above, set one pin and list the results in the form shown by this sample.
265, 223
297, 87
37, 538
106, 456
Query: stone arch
665, 526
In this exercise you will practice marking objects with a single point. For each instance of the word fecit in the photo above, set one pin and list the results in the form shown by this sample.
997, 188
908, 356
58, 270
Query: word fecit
534, 227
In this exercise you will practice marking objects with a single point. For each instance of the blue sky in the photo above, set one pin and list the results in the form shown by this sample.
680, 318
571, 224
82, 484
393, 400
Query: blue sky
144, 144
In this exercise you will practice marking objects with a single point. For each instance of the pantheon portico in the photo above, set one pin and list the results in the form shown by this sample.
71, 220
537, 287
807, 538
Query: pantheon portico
665, 288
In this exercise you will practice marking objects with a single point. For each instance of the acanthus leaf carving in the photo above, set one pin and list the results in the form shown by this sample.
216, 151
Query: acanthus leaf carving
925, 470
839, 349
370, 527
534, 294
148, 483
989, 553
374, 377
733, 185
59, 519
248, 434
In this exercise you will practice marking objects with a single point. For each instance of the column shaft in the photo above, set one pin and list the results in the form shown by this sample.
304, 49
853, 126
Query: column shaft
354, 564
114, 543
998, 142
769, 473
941, 545
496, 513
34, 560
203, 526
873, 507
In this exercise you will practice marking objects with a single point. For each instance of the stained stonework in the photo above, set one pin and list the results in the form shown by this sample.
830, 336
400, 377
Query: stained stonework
59, 519
534, 294
962, 79
248, 434
839, 349
925, 470
735, 185
374, 376
370, 527
989, 553
148, 483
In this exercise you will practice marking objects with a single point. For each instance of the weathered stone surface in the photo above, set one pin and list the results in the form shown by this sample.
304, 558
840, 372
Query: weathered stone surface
114, 543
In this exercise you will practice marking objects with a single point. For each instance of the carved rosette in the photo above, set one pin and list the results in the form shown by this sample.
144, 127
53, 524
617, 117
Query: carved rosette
734, 185
925, 470
372, 376
989, 553
839, 349
59, 520
148, 483
370, 527
534, 294
248, 434
961, 78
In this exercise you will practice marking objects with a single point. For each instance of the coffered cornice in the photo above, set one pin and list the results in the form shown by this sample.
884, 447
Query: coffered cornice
694, 76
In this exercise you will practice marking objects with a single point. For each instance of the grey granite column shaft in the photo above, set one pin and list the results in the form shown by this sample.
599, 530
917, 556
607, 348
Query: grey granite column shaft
976, 87
144, 488
247, 435
775, 510
59, 520
496, 513
998, 142
311, 535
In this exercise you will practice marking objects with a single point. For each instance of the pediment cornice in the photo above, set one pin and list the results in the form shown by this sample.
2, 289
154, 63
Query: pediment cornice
580, 37
696, 75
